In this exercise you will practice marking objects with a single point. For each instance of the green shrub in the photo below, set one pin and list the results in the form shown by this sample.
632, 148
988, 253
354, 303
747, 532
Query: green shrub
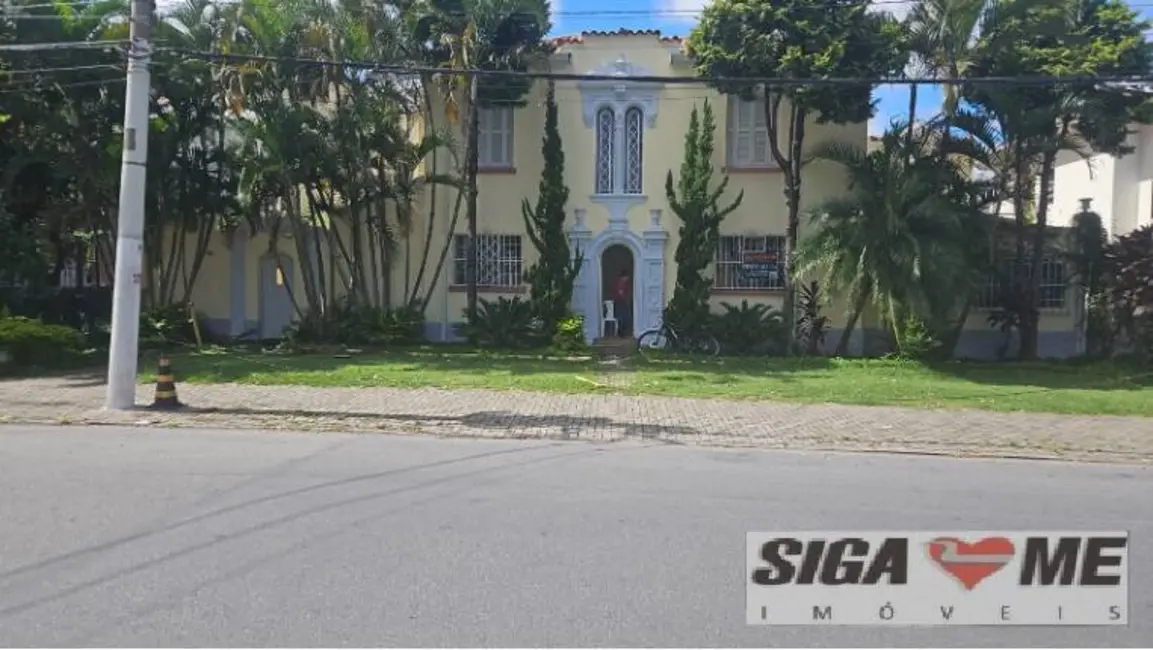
352, 324
916, 342
570, 336
29, 342
403, 326
171, 324
504, 323
750, 329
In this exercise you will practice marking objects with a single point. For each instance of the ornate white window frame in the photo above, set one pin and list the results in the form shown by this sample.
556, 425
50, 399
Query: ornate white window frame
619, 94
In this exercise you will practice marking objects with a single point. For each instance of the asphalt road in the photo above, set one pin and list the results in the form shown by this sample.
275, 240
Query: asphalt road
146, 537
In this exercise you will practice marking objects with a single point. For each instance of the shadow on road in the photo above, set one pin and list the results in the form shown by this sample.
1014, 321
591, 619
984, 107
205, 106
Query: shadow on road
568, 426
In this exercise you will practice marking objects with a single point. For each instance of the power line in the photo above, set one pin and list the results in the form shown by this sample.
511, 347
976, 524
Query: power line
589, 13
1035, 80
66, 45
75, 68
13, 88
569, 12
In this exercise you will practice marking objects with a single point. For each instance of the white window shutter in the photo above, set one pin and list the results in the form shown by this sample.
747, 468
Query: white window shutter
483, 146
509, 121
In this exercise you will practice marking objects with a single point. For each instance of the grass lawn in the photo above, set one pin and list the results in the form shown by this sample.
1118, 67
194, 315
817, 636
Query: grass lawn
1096, 389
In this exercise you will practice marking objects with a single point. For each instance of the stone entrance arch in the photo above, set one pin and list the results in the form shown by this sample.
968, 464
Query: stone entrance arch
648, 250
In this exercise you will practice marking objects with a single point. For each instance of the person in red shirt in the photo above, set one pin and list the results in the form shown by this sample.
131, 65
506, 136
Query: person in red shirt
621, 303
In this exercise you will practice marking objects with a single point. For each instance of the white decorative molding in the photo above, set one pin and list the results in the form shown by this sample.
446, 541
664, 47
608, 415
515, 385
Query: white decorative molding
648, 251
618, 206
584, 292
620, 93
656, 240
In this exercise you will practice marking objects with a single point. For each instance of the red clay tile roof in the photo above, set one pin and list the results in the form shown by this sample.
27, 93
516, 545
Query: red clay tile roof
576, 39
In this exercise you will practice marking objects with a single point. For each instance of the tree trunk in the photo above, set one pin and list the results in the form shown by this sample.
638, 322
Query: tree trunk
410, 298
858, 307
912, 115
443, 252
1030, 330
793, 201
949, 345
1020, 191
473, 154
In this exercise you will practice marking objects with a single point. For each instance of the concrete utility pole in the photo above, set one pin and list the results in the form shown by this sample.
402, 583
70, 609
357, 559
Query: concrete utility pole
130, 221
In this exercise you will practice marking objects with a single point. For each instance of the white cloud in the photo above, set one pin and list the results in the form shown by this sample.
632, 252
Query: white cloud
899, 8
682, 11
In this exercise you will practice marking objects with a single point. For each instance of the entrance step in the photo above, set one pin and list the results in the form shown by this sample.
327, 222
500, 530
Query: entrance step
616, 346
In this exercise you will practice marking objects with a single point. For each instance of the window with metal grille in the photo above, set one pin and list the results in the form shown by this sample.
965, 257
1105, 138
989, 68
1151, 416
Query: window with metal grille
606, 154
494, 143
634, 150
1053, 286
730, 270
748, 134
499, 261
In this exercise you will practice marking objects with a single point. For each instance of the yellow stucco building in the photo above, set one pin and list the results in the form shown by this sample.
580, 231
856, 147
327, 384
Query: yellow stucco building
621, 138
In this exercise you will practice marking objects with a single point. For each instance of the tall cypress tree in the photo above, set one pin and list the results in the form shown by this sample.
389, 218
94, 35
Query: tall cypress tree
696, 205
552, 277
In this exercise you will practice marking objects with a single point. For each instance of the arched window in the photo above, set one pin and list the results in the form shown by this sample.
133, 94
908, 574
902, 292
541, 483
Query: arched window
634, 150
606, 155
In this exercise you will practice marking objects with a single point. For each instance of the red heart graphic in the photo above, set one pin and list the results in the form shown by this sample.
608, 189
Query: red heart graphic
970, 563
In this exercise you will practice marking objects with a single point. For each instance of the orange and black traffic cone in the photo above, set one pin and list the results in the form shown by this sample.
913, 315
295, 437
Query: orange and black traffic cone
165, 388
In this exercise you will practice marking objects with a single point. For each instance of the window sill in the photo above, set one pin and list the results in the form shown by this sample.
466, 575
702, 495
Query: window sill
618, 196
747, 292
1045, 311
497, 169
742, 169
463, 288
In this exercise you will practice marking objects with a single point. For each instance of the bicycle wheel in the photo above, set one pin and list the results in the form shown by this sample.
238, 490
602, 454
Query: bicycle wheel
653, 341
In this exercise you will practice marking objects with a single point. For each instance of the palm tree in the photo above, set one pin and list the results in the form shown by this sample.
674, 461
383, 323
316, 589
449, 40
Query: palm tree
480, 35
897, 239
942, 34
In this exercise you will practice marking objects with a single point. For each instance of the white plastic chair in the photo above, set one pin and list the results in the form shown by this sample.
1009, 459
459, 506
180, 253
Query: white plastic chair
610, 317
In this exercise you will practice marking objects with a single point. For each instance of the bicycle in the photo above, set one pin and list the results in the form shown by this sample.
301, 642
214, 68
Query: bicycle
666, 339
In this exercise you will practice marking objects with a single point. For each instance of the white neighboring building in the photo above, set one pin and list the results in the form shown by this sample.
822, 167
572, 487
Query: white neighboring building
1121, 188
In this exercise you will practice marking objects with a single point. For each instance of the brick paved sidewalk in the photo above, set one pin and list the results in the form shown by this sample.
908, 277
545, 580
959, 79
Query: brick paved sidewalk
597, 417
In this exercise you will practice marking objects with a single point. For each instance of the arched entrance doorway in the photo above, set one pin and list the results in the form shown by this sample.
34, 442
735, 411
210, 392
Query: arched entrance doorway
618, 278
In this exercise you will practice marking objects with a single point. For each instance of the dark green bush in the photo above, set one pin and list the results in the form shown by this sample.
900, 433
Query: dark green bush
88, 309
169, 324
352, 324
29, 342
750, 329
504, 323
570, 336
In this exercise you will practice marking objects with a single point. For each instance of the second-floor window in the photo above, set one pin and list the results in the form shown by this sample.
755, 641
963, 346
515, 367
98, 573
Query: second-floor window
499, 261
606, 150
620, 152
748, 144
735, 266
634, 150
495, 137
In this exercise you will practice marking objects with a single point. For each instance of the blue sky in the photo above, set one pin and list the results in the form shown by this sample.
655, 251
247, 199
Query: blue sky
676, 17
